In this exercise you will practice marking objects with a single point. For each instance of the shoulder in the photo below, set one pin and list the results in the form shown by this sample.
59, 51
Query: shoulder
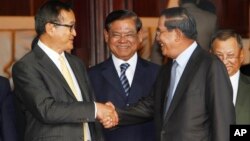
4, 87
4, 82
147, 63
245, 78
101, 66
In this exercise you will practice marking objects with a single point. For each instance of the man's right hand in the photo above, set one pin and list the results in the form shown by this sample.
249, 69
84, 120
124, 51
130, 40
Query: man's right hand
107, 115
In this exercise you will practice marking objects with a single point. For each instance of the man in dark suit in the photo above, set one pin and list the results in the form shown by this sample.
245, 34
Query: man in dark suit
227, 45
123, 35
205, 25
196, 104
52, 85
8, 130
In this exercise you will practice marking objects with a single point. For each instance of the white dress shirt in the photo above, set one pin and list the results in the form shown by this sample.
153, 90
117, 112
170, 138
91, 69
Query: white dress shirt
130, 70
235, 84
182, 60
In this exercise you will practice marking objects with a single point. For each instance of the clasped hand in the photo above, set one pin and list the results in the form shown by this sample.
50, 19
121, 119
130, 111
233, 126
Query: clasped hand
107, 115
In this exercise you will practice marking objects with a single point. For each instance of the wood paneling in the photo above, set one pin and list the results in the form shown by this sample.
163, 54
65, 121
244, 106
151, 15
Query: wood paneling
149, 8
234, 14
12, 7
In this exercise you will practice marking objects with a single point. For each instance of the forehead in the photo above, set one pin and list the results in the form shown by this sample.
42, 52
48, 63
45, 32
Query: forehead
226, 45
67, 16
123, 24
161, 23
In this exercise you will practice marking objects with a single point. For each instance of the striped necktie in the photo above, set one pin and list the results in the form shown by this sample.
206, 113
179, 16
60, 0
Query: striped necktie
123, 78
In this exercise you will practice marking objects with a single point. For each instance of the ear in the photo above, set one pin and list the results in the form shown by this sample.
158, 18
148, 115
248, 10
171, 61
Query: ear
49, 28
140, 35
106, 35
178, 35
242, 55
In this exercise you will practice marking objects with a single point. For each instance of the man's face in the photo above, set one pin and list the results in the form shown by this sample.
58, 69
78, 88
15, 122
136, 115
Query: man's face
229, 52
122, 38
166, 39
64, 31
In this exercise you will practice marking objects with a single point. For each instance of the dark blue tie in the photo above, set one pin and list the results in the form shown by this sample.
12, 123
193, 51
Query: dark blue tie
170, 91
123, 78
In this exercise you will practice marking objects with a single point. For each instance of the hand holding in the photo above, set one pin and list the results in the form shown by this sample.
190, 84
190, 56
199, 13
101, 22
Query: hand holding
107, 115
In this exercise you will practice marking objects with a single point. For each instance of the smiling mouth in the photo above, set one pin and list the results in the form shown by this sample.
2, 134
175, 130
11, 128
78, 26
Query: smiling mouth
123, 47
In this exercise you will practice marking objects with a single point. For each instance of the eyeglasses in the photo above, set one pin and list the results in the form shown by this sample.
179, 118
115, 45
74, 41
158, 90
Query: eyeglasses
71, 27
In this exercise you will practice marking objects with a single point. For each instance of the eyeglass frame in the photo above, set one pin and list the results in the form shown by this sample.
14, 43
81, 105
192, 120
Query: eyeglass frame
71, 27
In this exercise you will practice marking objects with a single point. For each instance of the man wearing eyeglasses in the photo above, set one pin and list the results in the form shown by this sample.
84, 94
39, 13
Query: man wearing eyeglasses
192, 97
51, 85
227, 45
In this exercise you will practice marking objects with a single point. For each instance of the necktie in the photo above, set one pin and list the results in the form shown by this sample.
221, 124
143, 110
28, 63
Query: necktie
66, 74
123, 78
170, 92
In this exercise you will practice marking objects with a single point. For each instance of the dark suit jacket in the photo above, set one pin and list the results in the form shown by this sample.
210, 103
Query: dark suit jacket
7, 112
243, 100
107, 87
51, 110
201, 109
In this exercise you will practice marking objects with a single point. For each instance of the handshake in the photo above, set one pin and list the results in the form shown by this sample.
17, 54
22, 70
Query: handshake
107, 114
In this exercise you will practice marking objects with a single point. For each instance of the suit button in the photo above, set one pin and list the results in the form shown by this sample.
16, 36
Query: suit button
127, 105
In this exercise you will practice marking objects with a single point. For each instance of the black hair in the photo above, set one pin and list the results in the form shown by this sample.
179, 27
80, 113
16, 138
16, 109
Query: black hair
120, 15
225, 34
49, 12
179, 18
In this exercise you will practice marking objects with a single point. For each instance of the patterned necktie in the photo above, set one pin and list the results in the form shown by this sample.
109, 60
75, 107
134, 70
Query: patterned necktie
66, 74
170, 92
123, 78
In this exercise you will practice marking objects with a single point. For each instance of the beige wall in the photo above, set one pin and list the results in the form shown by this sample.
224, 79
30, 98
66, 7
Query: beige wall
16, 35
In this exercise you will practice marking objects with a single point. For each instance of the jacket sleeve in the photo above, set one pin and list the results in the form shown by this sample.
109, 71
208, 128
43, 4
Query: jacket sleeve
219, 101
39, 94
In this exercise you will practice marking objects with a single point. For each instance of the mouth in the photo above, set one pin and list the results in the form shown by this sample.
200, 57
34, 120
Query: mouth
123, 47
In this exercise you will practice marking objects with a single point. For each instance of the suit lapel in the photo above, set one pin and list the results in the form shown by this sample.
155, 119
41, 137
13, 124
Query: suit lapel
108, 72
81, 80
139, 76
186, 77
51, 69
241, 98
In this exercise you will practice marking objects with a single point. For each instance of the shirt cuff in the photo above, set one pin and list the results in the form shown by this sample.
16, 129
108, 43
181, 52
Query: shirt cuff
95, 110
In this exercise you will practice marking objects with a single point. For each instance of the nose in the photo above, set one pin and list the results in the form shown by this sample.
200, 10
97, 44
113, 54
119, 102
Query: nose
122, 39
73, 32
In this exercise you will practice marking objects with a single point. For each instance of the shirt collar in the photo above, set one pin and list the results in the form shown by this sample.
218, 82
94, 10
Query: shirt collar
132, 61
235, 77
183, 58
53, 55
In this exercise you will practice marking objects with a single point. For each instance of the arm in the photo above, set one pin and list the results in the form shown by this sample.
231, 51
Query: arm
141, 112
219, 98
38, 91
